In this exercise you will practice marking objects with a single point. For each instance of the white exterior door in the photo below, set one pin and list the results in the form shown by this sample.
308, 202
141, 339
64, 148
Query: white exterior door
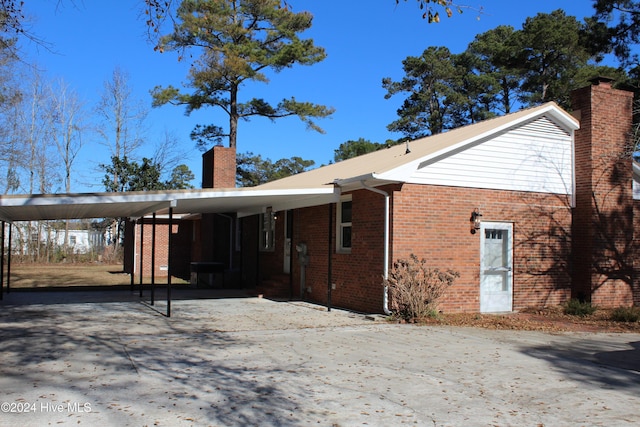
496, 267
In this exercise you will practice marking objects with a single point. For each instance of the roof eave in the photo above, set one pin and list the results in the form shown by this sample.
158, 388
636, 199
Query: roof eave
369, 180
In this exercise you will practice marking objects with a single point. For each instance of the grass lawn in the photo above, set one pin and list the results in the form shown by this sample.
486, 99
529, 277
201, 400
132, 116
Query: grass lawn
30, 276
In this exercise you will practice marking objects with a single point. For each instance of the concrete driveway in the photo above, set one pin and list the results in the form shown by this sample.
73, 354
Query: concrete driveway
84, 359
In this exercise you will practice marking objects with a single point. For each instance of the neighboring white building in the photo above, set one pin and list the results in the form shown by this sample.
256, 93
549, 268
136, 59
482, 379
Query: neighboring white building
83, 237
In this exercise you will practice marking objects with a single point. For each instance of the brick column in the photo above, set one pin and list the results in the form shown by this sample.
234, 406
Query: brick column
603, 216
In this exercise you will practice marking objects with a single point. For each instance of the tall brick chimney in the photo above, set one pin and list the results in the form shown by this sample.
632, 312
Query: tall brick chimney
219, 168
603, 215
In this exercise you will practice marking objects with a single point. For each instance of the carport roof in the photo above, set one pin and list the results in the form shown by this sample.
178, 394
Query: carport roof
244, 201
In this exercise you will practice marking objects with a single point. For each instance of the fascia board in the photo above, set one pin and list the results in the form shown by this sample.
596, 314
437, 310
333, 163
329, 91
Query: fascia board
149, 210
141, 203
250, 192
81, 199
304, 202
294, 198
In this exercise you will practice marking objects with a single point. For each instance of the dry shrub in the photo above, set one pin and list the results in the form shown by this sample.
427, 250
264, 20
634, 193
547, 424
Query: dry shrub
575, 307
112, 254
626, 314
415, 289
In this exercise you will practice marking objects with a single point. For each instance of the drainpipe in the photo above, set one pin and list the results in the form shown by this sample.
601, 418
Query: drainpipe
385, 274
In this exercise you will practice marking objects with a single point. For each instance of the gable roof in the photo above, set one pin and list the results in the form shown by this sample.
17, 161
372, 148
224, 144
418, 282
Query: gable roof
387, 165
310, 188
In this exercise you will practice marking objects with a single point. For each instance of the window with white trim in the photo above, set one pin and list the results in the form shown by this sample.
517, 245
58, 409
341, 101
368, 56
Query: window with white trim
343, 225
267, 231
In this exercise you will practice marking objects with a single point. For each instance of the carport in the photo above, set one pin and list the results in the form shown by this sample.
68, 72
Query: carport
149, 204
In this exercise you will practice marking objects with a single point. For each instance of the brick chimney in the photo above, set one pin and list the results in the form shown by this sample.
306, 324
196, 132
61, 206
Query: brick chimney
219, 168
603, 215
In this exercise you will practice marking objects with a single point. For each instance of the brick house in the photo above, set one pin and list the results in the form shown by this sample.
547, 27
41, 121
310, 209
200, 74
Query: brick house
552, 193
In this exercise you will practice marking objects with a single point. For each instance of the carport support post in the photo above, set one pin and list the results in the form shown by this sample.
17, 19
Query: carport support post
9, 260
153, 258
133, 262
131, 277
141, 251
2, 261
169, 262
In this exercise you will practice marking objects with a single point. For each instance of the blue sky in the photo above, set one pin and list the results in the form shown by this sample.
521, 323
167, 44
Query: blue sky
364, 41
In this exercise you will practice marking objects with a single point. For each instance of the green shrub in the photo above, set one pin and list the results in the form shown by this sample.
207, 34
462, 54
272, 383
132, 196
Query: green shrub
575, 307
415, 289
626, 314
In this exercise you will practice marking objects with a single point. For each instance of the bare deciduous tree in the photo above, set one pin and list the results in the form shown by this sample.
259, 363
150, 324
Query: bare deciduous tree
66, 131
68, 125
121, 117
11, 142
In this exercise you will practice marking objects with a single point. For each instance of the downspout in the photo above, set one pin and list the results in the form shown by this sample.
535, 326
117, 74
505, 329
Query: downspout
329, 260
385, 274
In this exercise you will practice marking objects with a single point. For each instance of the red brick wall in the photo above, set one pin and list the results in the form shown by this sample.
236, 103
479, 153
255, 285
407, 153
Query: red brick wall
180, 252
218, 171
558, 252
272, 261
358, 275
432, 222
196, 243
603, 218
310, 226
636, 254
250, 261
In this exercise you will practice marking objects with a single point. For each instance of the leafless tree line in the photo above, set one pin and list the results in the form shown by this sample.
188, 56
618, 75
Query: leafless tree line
44, 126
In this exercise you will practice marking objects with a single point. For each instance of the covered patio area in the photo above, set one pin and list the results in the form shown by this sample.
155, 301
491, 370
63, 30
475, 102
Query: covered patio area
145, 208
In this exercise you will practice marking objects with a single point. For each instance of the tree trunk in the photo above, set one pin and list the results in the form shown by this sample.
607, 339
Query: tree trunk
233, 116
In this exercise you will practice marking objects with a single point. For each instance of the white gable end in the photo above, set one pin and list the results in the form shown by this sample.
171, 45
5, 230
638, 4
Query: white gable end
536, 156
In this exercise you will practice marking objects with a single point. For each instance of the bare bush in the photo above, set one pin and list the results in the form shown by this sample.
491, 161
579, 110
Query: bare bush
112, 254
415, 289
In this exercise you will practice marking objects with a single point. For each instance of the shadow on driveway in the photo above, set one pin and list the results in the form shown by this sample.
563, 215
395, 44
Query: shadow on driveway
588, 359
250, 361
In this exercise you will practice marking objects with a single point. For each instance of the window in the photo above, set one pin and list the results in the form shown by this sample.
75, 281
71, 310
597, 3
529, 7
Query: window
267, 231
493, 234
72, 240
343, 223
